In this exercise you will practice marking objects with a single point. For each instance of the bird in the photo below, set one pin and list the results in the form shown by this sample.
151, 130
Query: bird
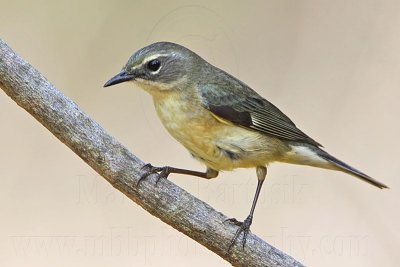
221, 121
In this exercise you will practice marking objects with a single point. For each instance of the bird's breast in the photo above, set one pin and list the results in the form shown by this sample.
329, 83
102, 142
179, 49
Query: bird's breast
187, 121
220, 145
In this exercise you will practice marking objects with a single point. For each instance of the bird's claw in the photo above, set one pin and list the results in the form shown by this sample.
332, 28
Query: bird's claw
149, 169
233, 221
243, 227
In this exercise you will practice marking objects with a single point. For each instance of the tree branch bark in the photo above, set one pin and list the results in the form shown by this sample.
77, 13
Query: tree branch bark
168, 202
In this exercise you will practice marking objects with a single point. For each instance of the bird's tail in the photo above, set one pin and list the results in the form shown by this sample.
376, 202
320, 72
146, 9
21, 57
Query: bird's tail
340, 165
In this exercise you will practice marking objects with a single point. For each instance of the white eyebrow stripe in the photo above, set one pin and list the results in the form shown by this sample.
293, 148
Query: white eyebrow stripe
150, 58
153, 57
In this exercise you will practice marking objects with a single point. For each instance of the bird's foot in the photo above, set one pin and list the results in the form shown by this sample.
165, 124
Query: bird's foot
243, 227
149, 169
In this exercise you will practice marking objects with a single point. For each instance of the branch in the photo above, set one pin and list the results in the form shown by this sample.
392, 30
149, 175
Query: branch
168, 202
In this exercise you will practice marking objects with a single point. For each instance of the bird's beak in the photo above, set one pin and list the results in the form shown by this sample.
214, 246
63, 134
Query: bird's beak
121, 77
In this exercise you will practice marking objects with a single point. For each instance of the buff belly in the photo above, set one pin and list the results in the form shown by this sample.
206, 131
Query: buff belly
219, 145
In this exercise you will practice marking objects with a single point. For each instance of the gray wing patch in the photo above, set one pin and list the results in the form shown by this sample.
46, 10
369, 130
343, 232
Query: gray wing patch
252, 112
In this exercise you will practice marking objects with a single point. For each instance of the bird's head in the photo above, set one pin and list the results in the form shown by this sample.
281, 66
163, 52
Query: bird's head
159, 67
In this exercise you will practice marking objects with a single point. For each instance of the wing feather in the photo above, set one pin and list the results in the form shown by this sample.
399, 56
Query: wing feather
239, 104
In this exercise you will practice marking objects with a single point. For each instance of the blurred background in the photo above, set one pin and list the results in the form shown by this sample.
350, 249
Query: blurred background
332, 66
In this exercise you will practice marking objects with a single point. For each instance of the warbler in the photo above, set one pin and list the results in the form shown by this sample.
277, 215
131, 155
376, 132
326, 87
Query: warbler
220, 120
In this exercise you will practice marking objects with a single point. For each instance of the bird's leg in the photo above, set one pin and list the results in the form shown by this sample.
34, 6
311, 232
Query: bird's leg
166, 170
245, 225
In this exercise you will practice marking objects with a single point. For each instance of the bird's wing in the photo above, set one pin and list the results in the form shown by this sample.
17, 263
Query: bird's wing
239, 104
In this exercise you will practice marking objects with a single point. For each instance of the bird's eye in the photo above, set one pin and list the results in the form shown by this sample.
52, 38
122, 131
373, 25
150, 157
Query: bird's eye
154, 65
